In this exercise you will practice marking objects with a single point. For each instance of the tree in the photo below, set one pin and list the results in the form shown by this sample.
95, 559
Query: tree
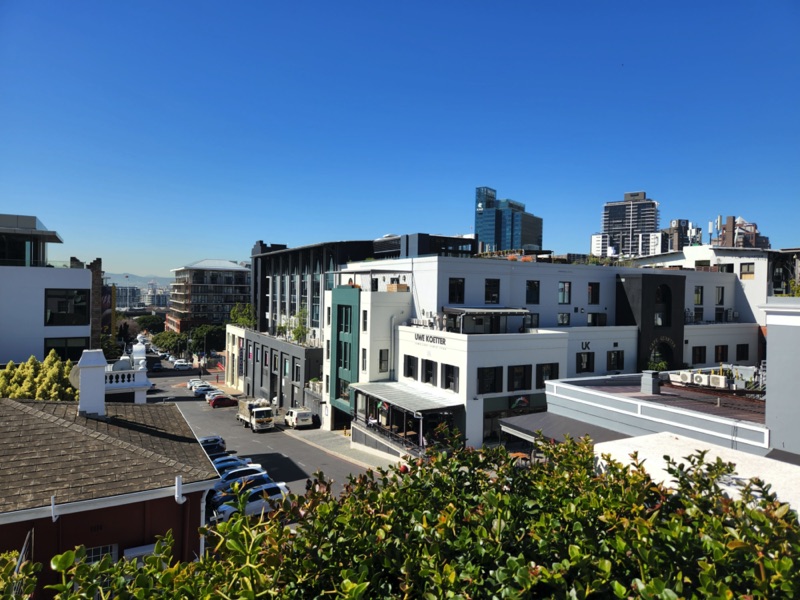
171, 341
32, 380
466, 523
243, 315
300, 325
150, 323
112, 350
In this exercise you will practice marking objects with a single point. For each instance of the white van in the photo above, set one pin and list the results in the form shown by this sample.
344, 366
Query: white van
298, 418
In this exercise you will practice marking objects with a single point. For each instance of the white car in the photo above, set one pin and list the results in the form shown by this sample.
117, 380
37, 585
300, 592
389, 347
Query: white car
202, 390
213, 393
226, 480
192, 382
260, 499
298, 418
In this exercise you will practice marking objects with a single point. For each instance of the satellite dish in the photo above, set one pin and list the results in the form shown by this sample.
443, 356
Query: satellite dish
74, 377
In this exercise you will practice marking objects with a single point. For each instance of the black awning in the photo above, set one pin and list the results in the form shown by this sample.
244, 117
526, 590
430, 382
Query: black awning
556, 427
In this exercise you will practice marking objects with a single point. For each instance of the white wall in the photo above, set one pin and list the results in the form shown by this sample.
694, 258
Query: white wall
22, 309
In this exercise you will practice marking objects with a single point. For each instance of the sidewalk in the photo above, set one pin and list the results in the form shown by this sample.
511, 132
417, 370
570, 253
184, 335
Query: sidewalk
332, 442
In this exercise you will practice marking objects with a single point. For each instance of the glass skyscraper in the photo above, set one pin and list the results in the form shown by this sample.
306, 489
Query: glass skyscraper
504, 224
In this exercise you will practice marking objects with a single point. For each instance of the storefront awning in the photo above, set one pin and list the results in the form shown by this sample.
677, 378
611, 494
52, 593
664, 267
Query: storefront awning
409, 398
556, 427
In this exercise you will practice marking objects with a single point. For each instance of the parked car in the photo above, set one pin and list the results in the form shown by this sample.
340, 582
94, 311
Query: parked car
242, 484
215, 392
193, 382
259, 500
163, 354
298, 418
222, 401
156, 366
240, 473
231, 461
182, 367
201, 390
225, 467
172, 358
212, 440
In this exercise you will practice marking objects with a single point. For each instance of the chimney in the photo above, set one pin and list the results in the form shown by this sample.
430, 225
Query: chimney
91, 381
651, 384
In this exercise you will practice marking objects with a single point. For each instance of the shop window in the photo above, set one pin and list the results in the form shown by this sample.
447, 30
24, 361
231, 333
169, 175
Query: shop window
450, 377
428, 371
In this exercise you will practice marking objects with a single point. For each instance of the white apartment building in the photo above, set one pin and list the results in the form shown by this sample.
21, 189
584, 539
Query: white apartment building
413, 342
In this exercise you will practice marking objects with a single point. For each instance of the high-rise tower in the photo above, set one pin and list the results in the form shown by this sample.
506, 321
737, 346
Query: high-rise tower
628, 225
504, 224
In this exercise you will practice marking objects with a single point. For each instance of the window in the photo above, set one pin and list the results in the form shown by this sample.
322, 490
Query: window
616, 360
698, 355
296, 371
519, 377
545, 372
344, 313
450, 377
564, 292
533, 320
456, 290
327, 384
410, 366
698, 314
383, 360
328, 349
563, 319
742, 352
721, 353
67, 348
428, 371
275, 362
343, 354
363, 359
584, 362
490, 380
328, 315
747, 271
698, 295
532, 292
363, 320
596, 319
492, 291
95, 555
720, 295
719, 314
285, 367
66, 307
594, 292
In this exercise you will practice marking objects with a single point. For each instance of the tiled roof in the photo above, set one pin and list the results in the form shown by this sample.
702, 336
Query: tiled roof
48, 449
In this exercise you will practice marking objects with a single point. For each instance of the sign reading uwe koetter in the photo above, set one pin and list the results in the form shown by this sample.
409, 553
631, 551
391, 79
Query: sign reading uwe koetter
431, 339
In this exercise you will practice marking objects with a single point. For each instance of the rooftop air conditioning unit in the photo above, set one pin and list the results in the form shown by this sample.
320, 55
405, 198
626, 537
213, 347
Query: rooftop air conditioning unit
700, 379
729, 314
718, 381
686, 376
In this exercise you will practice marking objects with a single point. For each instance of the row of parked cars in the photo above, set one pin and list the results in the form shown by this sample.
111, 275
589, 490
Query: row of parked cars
238, 475
215, 397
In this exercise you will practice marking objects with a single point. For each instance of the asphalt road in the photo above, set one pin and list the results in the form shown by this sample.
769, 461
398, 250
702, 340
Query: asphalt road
285, 458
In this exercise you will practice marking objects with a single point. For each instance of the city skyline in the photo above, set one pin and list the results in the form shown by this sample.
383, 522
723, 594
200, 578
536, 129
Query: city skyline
155, 135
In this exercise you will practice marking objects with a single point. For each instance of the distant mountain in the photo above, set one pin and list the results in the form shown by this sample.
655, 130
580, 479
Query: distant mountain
140, 281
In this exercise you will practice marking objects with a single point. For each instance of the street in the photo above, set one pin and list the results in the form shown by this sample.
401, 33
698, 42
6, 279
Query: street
284, 457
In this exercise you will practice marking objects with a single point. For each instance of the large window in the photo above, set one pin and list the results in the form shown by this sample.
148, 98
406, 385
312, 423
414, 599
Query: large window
344, 314
450, 377
383, 360
584, 362
742, 352
721, 353
596, 319
698, 314
410, 366
564, 292
720, 295
492, 291
594, 292
67, 348
519, 377
456, 290
545, 372
66, 307
343, 358
747, 271
428, 371
616, 360
363, 320
490, 380
363, 359
698, 355
531, 292
698, 295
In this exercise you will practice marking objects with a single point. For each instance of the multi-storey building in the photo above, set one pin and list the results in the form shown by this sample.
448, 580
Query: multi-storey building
128, 296
44, 308
504, 224
204, 293
411, 343
738, 233
627, 227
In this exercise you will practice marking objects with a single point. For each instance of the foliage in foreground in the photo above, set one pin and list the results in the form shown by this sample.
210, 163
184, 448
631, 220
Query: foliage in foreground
471, 524
46, 380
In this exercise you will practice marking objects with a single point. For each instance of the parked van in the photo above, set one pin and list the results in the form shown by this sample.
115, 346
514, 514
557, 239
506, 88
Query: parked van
298, 418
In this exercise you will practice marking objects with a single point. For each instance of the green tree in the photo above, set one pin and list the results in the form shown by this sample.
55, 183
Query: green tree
243, 315
112, 350
469, 523
300, 325
207, 337
150, 323
170, 341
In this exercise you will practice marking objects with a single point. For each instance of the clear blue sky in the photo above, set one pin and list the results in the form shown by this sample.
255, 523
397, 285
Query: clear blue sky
153, 134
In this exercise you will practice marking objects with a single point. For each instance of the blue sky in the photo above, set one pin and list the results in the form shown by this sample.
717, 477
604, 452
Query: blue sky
154, 134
